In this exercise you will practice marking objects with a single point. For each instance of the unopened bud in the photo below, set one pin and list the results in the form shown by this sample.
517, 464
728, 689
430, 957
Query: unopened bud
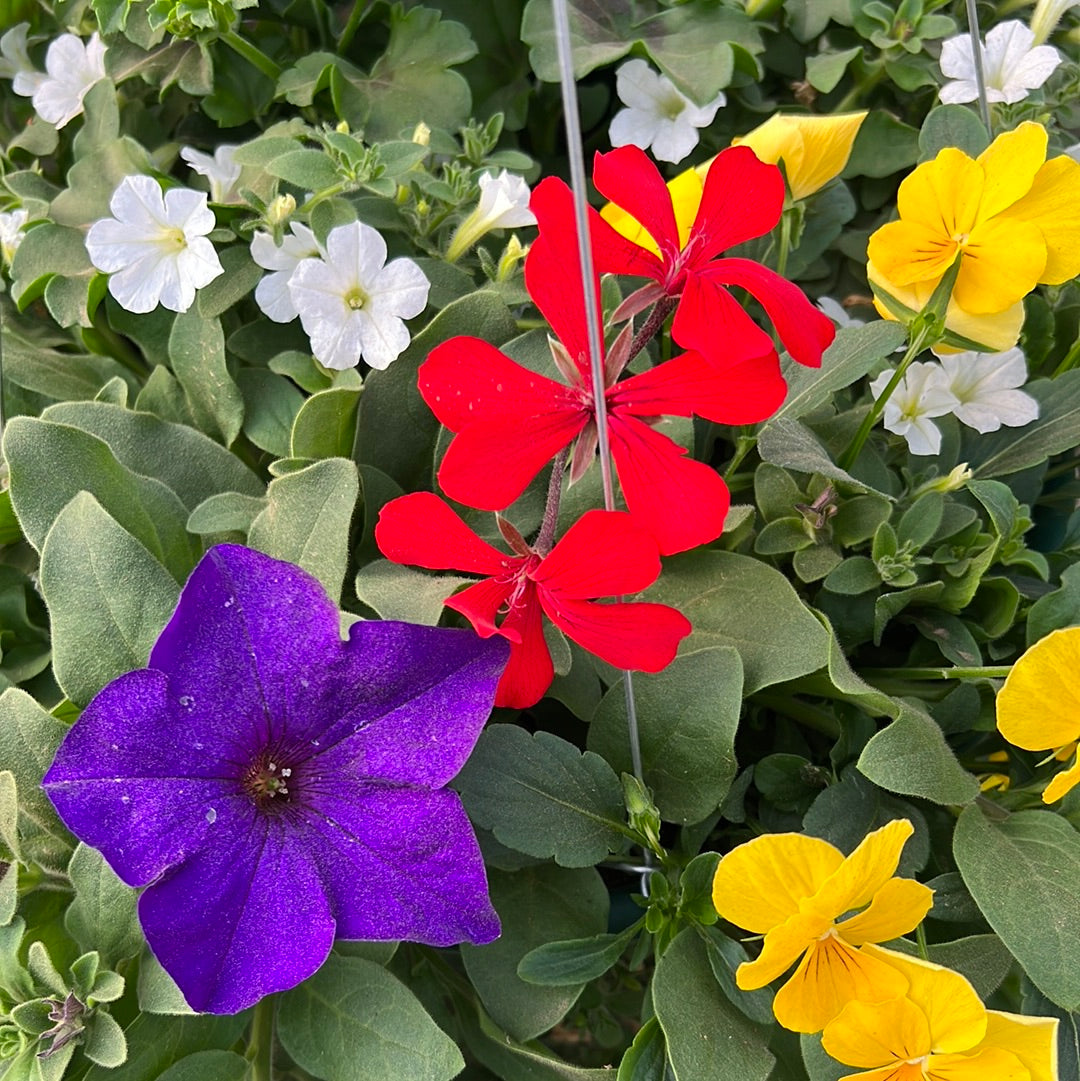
280, 210
342, 127
514, 252
422, 134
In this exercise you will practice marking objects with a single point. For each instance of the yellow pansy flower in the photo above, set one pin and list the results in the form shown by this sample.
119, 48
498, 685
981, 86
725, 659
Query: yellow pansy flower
1013, 217
1038, 709
814, 149
939, 1031
794, 889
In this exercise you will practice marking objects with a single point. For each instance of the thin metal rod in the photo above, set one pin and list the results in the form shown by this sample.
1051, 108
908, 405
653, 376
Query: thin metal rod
977, 59
592, 316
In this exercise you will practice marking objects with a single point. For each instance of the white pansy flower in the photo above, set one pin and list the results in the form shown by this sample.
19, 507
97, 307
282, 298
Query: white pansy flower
11, 233
272, 293
984, 386
920, 395
218, 168
504, 204
1013, 65
155, 248
353, 304
15, 62
71, 69
657, 113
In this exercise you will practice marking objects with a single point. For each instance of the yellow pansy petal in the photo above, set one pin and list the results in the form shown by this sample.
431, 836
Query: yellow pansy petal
629, 227
905, 1071
909, 251
831, 975
989, 1065
863, 873
943, 194
1010, 164
778, 139
1039, 706
898, 907
953, 1009
686, 191
782, 947
1003, 261
760, 884
1053, 204
1033, 1040
877, 1033
1062, 783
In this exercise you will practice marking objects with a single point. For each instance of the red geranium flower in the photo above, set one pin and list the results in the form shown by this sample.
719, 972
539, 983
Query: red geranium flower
510, 421
742, 199
603, 554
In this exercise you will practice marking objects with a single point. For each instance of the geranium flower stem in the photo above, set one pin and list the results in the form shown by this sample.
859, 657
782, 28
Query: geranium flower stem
657, 317
920, 339
977, 57
545, 540
260, 1049
252, 54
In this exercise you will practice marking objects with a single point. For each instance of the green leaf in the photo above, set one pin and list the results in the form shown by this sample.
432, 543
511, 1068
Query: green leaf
190, 463
325, 426
309, 169
884, 146
397, 431
1024, 874
306, 520
687, 718
542, 796
691, 43
103, 1041
197, 355
52, 262
155, 1043
102, 917
412, 80
9, 822
787, 442
576, 960
646, 1058
108, 598
983, 960
824, 71
952, 125
734, 600
1055, 610
271, 403
997, 454
157, 990
207, 1066
707, 1037
536, 905
353, 1021
397, 592
910, 756
241, 276
227, 512
51, 463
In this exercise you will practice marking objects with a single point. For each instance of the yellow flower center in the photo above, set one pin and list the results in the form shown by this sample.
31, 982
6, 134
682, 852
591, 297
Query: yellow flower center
173, 239
356, 298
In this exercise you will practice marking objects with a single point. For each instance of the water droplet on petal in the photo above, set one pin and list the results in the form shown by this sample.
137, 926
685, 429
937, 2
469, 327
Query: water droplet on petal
229, 602
314, 743
125, 799
186, 701
211, 816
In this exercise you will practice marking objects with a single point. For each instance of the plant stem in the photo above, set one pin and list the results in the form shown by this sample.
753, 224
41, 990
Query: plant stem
260, 1049
1069, 361
545, 540
864, 86
359, 12
252, 54
657, 317
920, 937
807, 715
785, 244
993, 671
918, 342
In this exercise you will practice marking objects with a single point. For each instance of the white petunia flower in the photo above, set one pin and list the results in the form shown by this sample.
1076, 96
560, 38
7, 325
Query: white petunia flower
657, 113
155, 248
920, 395
11, 233
351, 305
1012, 65
71, 69
219, 168
272, 293
984, 386
15, 62
838, 313
504, 204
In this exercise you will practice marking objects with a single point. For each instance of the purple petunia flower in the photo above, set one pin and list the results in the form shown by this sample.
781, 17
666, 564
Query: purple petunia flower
274, 786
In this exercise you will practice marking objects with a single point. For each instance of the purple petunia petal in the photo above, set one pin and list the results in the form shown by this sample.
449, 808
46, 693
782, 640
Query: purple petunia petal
401, 863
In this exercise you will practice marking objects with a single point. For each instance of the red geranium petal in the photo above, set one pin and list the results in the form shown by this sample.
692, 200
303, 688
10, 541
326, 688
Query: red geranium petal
489, 465
742, 199
423, 531
603, 554
680, 501
805, 331
743, 393
529, 671
615, 254
642, 637
710, 321
630, 180
466, 380
480, 605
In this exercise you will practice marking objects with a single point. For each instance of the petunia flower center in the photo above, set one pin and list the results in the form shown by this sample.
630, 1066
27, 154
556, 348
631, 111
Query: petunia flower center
173, 239
356, 298
266, 782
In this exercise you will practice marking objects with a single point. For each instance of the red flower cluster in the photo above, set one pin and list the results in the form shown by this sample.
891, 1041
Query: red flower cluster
509, 422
